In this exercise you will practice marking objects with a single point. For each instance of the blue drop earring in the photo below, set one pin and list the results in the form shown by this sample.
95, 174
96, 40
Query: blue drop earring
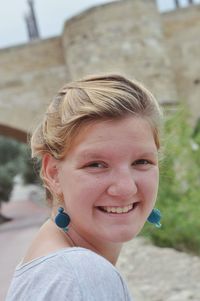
155, 217
62, 219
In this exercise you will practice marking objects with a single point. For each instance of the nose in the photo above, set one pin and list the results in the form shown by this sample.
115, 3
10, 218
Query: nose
123, 185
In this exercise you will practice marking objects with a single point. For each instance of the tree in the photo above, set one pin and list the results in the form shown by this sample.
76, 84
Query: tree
10, 163
14, 159
179, 190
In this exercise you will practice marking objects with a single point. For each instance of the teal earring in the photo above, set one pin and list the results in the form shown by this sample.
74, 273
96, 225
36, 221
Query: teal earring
155, 217
62, 219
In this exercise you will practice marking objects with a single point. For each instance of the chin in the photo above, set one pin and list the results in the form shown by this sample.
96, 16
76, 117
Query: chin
124, 236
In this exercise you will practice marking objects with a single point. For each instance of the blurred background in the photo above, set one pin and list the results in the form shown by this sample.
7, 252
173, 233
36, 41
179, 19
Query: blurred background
44, 44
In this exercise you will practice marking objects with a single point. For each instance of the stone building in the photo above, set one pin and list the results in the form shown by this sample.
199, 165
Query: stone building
128, 37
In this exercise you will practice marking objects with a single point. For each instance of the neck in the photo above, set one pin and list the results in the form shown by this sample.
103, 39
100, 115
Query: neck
110, 251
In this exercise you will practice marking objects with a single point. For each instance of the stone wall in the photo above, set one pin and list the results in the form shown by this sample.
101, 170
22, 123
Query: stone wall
124, 37
29, 76
182, 31
128, 37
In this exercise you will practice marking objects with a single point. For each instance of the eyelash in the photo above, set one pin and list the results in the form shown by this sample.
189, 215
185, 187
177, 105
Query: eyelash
92, 164
137, 162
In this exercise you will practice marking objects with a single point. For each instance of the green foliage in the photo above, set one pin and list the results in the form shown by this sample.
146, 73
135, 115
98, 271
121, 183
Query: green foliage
14, 159
10, 163
6, 183
30, 172
179, 191
10, 149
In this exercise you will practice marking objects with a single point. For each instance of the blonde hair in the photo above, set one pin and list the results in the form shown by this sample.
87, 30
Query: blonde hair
88, 100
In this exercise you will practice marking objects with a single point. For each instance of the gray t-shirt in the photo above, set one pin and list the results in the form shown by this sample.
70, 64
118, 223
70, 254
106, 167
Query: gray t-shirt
74, 274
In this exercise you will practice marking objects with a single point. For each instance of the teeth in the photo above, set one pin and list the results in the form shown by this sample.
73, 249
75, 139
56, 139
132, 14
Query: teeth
118, 209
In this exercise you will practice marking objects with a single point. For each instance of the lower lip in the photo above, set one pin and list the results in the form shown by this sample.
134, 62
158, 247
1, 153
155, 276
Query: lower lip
123, 214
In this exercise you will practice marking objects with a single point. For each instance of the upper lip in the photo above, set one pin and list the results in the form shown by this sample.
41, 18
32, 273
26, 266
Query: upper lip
120, 205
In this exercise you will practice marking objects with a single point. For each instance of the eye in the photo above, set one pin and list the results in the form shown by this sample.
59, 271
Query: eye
142, 162
96, 165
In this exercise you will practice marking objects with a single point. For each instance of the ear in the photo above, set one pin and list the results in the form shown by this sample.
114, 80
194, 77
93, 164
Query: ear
50, 173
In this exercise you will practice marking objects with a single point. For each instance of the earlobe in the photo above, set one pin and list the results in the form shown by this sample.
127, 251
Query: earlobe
50, 173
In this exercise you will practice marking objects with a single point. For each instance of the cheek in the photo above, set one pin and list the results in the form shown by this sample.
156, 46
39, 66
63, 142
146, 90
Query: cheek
82, 188
148, 184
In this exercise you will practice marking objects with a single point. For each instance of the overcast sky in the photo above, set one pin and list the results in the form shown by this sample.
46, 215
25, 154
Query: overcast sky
51, 15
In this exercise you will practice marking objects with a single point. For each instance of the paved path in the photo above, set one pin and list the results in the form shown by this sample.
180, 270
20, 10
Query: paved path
16, 235
153, 274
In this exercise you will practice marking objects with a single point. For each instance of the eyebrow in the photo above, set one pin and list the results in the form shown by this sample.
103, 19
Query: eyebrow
149, 153
90, 154
98, 153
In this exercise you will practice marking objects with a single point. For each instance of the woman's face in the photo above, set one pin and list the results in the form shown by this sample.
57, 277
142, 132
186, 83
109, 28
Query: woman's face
109, 179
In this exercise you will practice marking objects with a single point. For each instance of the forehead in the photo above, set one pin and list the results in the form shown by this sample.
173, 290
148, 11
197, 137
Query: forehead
127, 132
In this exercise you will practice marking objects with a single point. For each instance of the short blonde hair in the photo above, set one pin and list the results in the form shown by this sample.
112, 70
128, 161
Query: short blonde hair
91, 99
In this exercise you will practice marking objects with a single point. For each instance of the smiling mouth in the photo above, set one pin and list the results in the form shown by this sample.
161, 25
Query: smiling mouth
118, 210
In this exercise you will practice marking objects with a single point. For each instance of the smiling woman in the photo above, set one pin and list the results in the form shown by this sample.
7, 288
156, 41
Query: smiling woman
99, 143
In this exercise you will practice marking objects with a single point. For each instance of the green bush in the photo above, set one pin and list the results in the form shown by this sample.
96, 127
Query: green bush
14, 159
179, 191
31, 169
10, 164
